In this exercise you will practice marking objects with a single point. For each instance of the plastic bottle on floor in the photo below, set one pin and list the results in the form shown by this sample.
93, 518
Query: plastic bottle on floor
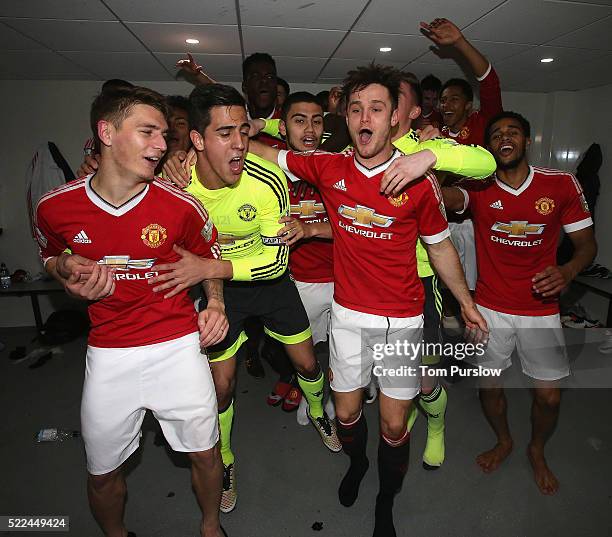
5, 277
56, 435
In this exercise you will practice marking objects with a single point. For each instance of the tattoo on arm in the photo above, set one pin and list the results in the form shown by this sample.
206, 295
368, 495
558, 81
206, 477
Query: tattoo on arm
213, 289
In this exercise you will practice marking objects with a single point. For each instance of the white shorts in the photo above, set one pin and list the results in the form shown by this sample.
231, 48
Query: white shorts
538, 340
317, 299
172, 379
462, 236
355, 351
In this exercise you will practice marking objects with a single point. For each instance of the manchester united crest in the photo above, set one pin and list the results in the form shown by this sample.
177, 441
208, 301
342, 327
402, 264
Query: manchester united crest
247, 212
154, 235
398, 201
545, 206
464, 133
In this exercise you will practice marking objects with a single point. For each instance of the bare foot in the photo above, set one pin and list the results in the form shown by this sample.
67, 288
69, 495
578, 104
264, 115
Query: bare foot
545, 479
490, 461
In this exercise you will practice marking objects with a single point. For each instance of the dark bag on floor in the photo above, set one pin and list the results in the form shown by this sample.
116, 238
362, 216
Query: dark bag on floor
64, 326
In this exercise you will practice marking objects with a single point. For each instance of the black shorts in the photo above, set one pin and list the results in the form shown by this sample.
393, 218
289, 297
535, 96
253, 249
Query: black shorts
278, 304
432, 315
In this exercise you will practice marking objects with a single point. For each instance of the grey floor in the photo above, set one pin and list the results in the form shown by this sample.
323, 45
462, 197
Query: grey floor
288, 480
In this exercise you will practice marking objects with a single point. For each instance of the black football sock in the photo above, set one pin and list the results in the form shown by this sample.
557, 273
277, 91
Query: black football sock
393, 456
354, 438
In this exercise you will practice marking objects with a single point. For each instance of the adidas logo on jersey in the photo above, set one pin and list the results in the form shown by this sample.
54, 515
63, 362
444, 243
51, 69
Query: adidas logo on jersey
81, 238
340, 185
496, 205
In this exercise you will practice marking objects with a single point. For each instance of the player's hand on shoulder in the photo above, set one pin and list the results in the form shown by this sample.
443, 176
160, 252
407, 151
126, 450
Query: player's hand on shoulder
551, 281
293, 230
212, 323
177, 167
88, 166
442, 32
405, 169
98, 286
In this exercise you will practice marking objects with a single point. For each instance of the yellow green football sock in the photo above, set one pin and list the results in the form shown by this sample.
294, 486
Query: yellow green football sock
434, 404
412, 416
226, 418
313, 391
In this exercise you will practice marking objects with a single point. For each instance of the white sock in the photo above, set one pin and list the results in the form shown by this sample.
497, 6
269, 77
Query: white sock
302, 417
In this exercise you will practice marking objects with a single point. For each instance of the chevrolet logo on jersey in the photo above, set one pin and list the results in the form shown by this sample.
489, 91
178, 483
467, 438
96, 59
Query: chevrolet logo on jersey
364, 216
518, 228
307, 209
124, 262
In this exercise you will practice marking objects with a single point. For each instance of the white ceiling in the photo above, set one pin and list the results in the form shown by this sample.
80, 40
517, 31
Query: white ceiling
312, 40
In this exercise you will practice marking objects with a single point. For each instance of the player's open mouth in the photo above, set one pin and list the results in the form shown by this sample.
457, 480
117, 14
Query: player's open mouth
365, 135
236, 165
309, 142
506, 150
154, 161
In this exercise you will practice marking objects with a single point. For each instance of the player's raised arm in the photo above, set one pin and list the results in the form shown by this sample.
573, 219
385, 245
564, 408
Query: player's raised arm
193, 72
444, 33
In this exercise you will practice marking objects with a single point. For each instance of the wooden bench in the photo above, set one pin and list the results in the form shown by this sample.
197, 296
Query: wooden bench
601, 287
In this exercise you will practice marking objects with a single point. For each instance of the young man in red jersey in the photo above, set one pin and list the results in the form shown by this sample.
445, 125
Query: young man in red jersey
464, 124
378, 298
310, 257
143, 351
461, 122
517, 219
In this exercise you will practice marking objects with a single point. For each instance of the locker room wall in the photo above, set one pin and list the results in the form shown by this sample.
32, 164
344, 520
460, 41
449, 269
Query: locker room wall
58, 111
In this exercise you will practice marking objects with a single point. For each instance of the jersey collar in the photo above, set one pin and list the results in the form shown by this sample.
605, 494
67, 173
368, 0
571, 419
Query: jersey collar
516, 191
371, 172
271, 116
101, 203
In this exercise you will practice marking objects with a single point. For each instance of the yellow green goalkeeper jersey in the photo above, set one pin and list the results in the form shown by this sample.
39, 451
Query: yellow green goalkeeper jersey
246, 215
470, 161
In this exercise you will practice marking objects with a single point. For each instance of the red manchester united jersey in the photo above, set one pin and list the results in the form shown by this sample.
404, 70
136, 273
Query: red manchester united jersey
517, 231
472, 132
310, 260
131, 238
375, 237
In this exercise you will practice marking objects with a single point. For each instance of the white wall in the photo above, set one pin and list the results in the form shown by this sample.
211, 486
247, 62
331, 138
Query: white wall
40, 111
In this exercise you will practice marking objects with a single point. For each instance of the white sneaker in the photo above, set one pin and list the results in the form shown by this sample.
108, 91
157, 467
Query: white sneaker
302, 416
606, 346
